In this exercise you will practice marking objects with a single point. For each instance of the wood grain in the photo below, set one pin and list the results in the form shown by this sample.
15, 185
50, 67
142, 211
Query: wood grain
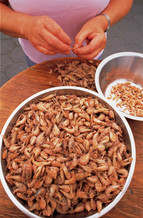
38, 78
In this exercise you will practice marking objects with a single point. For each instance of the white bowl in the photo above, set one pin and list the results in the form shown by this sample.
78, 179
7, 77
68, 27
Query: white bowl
121, 121
118, 68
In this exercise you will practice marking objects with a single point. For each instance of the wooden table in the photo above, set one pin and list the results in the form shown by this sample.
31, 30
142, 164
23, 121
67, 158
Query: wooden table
35, 79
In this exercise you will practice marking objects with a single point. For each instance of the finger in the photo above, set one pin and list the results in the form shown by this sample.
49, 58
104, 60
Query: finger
87, 49
91, 55
97, 43
62, 35
45, 51
58, 32
55, 42
80, 37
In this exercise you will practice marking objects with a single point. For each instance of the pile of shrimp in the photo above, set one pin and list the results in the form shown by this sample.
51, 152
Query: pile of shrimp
77, 74
66, 154
128, 97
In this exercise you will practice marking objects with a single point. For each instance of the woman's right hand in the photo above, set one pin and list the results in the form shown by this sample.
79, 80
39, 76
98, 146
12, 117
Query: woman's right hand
46, 35
42, 31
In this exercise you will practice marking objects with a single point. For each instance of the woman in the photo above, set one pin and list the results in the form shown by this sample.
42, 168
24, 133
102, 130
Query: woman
50, 29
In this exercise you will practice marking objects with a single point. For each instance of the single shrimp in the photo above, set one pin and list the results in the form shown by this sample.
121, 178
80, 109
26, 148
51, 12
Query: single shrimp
98, 186
111, 188
47, 211
42, 203
79, 208
43, 122
89, 135
69, 130
83, 129
71, 180
116, 163
4, 154
65, 188
36, 130
93, 204
21, 196
86, 144
41, 107
111, 170
95, 140
53, 205
36, 151
66, 172
126, 162
104, 140
56, 130
86, 168
84, 159
38, 172
21, 120
40, 138
38, 184
102, 165
100, 147
6, 142
32, 140
53, 189
81, 194
66, 123
61, 178
92, 179
61, 209
122, 172
103, 198
122, 148
113, 136
73, 163
36, 163
53, 172
81, 175
14, 136
15, 177
20, 187
88, 206
48, 180
99, 205
70, 195
15, 166
46, 98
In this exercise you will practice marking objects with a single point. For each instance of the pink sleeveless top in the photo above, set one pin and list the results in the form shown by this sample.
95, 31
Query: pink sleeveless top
69, 14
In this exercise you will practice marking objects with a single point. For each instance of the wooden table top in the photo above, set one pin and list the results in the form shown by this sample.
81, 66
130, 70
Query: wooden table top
38, 78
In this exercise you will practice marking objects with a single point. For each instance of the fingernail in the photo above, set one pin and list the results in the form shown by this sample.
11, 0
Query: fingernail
75, 46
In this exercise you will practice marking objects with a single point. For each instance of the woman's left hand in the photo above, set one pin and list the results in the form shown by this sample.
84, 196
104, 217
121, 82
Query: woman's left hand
93, 33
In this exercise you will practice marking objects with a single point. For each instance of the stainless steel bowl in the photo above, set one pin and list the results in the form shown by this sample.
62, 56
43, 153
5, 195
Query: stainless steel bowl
121, 121
123, 66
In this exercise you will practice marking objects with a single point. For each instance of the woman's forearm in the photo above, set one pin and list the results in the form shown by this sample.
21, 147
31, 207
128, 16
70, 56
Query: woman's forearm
117, 9
13, 23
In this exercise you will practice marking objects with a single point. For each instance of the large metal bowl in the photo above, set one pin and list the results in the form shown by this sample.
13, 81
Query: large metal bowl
123, 66
120, 120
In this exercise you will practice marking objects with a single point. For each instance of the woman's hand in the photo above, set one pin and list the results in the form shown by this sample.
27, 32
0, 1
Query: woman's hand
42, 31
47, 36
93, 33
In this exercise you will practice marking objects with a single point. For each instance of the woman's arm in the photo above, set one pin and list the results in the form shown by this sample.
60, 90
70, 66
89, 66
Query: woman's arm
93, 30
42, 31
12, 23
